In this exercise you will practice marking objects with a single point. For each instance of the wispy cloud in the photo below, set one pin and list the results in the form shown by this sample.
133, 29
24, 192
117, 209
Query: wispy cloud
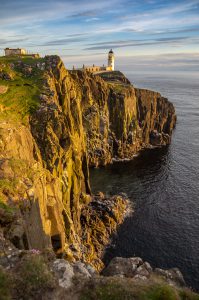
88, 13
92, 19
9, 40
146, 42
36, 11
189, 29
65, 41
94, 26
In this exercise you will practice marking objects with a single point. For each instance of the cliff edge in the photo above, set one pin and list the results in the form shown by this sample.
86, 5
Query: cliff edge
54, 125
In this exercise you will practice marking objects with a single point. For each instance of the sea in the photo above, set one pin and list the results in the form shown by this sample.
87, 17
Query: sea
162, 185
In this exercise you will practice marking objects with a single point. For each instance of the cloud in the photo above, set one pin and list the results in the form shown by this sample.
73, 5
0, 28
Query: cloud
6, 41
65, 41
92, 19
85, 25
171, 15
164, 8
76, 34
127, 42
181, 63
88, 13
22, 11
166, 31
82, 55
142, 42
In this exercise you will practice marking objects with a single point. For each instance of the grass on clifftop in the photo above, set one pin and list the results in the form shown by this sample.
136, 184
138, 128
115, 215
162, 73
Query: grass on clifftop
30, 280
5, 285
118, 87
126, 289
33, 278
21, 93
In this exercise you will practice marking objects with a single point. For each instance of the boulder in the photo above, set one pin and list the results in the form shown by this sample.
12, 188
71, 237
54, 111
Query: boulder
64, 271
127, 267
81, 269
172, 276
135, 268
142, 271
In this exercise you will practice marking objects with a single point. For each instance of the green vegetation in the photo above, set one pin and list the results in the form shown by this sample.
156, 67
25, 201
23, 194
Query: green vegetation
25, 59
7, 185
6, 207
5, 284
112, 75
20, 167
22, 96
125, 289
7, 212
161, 292
33, 277
118, 87
11, 185
186, 294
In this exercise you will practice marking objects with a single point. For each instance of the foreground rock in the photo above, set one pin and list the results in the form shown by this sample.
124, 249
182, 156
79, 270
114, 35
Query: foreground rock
119, 267
135, 268
66, 272
40, 275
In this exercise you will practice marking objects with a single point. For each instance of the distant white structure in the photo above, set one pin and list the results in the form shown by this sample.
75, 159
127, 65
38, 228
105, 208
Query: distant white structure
111, 60
19, 52
93, 68
11, 52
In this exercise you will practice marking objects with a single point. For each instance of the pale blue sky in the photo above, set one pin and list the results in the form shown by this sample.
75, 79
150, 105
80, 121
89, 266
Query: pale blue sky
82, 31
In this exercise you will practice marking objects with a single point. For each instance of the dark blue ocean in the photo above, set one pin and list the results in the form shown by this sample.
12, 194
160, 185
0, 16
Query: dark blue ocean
163, 185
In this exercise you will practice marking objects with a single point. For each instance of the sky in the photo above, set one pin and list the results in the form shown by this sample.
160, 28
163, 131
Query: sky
140, 32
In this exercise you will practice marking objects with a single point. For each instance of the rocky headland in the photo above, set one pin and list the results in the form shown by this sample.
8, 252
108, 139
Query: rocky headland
54, 125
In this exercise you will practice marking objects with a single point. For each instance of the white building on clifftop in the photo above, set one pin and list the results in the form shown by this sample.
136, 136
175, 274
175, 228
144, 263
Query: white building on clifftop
111, 60
19, 52
94, 68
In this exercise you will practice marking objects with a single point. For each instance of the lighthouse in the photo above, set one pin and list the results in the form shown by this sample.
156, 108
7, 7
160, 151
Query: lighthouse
111, 60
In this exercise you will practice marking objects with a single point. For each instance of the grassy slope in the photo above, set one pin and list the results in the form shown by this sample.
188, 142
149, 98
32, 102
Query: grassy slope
17, 102
127, 289
22, 95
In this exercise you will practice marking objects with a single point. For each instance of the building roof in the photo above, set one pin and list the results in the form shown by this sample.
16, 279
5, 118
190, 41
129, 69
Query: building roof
14, 49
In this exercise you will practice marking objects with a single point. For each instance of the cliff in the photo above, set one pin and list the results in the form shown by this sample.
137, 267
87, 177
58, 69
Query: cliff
44, 174
120, 120
54, 124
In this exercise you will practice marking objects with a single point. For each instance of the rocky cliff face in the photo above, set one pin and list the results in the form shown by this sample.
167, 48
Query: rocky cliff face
71, 120
156, 117
119, 120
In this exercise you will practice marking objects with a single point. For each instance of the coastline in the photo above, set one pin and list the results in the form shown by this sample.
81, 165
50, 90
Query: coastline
72, 223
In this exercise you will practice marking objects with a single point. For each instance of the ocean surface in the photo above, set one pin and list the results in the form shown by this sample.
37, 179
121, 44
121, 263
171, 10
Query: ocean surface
163, 185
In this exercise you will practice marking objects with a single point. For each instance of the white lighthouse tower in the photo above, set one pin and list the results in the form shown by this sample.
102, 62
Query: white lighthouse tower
111, 60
